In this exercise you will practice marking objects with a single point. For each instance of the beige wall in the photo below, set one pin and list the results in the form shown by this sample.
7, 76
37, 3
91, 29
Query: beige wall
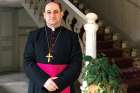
122, 14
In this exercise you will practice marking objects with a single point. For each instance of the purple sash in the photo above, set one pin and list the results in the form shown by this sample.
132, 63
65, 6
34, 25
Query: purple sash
53, 70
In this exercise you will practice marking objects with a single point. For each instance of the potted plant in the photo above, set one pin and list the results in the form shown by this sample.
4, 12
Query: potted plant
99, 76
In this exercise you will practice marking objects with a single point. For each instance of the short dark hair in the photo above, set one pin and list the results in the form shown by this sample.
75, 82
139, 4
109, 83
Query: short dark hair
54, 1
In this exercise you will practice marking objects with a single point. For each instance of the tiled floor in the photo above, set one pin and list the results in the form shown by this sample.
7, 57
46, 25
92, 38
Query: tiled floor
13, 83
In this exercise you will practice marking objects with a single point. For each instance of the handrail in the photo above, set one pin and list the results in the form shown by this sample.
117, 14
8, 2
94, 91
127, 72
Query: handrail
74, 10
134, 3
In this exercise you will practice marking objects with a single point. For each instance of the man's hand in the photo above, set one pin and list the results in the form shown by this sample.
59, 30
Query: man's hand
50, 84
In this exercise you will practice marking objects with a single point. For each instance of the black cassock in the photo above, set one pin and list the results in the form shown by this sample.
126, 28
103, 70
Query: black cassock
66, 50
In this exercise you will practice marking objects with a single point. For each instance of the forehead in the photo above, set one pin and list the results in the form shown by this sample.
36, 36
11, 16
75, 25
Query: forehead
52, 6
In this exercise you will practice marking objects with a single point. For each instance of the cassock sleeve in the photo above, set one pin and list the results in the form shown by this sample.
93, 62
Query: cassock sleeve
68, 76
33, 72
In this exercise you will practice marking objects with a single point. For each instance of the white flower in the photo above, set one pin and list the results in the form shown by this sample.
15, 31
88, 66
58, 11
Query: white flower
87, 62
84, 85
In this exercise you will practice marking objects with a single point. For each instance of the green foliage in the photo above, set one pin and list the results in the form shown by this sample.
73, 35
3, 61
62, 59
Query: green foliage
100, 72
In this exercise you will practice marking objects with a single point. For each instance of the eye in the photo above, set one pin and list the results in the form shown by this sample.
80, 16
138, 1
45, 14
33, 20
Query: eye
55, 11
48, 12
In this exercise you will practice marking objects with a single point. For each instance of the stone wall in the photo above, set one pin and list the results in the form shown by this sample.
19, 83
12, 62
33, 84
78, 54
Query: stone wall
15, 24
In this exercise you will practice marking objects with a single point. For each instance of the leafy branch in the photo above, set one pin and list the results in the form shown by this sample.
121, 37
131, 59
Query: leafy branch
101, 73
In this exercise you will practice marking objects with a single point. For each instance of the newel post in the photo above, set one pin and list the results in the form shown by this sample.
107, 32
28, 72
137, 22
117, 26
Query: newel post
91, 28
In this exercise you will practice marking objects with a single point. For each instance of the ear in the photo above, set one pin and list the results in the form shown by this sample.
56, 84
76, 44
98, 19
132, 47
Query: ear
44, 15
62, 14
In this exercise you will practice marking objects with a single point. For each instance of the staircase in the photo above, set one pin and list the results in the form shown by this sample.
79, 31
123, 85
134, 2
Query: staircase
109, 42
118, 51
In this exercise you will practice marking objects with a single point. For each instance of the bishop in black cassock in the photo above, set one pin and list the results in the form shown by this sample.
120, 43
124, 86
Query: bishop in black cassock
66, 53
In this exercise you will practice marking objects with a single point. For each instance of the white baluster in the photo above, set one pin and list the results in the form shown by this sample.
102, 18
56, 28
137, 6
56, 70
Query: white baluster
91, 28
77, 27
68, 21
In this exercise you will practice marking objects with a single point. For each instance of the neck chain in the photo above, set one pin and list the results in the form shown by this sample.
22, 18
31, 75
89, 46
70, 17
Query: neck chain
49, 55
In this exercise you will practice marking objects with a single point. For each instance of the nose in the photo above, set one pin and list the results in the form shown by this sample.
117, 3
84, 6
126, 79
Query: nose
52, 14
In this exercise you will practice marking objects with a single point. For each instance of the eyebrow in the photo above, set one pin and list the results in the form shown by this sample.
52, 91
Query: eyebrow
53, 10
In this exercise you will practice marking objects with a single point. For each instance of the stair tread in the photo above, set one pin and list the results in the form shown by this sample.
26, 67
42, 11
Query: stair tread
105, 44
132, 82
122, 62
112, 52
130, 73
102, 37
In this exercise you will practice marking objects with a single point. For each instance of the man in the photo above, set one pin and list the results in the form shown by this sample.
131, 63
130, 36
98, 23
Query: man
52, 56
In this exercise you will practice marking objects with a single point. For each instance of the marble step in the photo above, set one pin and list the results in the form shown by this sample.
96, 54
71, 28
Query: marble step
13, 83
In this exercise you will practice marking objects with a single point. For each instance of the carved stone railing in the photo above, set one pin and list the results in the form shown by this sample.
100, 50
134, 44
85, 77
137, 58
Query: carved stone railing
72, 14
35, 10
74, 19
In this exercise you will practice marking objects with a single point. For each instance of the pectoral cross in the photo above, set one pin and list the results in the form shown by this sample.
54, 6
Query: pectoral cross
49, 56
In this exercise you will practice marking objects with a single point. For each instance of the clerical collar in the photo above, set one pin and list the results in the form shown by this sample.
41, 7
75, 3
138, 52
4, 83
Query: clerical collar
55, 29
